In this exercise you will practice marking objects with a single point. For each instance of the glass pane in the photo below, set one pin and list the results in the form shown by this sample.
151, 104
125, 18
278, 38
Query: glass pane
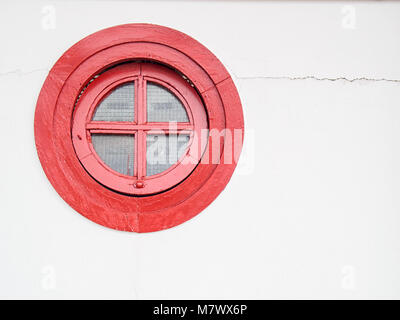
116, 151
119, 105
163, 151
164, 106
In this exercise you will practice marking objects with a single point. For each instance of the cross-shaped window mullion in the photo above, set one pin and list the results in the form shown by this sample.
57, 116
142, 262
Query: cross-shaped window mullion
139, 127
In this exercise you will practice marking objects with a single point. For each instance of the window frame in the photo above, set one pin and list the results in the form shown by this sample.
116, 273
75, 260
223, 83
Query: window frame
53, 123
83, 126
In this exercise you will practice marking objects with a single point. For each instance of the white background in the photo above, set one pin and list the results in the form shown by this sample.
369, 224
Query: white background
313, 211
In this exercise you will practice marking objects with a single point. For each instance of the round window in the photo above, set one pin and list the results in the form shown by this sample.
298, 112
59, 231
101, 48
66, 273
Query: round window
138, 127
135, 128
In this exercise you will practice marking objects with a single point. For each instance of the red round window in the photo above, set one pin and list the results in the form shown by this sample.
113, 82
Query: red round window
137, 127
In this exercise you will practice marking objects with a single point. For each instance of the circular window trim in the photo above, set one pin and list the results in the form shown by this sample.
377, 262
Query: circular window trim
54, 110
100, 88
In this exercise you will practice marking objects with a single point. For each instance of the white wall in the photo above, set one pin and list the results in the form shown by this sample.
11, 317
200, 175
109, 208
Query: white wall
315, 215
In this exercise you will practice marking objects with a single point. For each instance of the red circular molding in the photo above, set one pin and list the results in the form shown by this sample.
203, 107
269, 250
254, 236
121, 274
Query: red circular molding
165, 205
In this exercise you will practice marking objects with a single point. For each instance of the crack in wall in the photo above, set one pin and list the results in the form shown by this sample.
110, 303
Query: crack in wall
297, 78
19, 72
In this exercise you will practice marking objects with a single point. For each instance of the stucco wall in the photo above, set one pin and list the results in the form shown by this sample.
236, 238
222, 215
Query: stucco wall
313, 210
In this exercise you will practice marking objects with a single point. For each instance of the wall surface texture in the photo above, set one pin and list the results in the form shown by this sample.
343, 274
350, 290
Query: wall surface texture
313, 210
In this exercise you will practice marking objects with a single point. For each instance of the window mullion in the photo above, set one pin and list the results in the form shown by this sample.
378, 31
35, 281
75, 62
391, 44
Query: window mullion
141, 107
141, 154
112, 126
141, 135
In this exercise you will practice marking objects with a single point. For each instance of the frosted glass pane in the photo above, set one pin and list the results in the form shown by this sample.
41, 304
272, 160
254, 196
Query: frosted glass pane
116, 151
163, 151
164, 106
119, 105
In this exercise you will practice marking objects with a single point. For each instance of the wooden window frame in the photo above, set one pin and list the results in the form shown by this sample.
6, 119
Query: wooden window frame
140, 73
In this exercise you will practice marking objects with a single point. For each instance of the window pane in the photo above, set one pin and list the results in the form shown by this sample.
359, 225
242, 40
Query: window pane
163, 106
117, 106
163, 151
116, 151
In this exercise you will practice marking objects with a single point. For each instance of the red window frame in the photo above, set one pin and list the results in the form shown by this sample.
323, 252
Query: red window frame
141, 73
53, 126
